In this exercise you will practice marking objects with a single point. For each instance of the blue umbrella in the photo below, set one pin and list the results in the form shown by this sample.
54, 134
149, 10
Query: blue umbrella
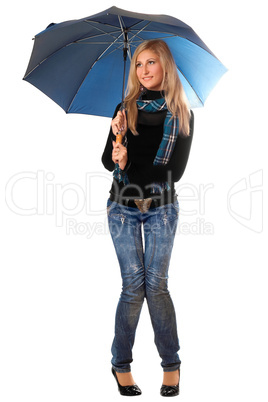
82, 64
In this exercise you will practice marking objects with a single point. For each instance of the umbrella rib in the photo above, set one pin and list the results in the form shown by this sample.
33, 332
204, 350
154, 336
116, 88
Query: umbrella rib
92, 65
141, 30
159, 37
105, 54
118, 48
121, 23
97, 43
101, 30
138, 22
190, 85
101, 23
129, 53
96, 36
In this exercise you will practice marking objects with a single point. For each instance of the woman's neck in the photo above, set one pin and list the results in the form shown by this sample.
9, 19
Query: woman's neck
152, 95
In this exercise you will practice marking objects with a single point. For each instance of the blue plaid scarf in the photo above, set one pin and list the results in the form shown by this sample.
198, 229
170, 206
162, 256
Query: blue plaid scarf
170, 134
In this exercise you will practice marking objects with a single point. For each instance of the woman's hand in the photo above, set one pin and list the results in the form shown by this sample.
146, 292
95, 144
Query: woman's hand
119, 155
119, 123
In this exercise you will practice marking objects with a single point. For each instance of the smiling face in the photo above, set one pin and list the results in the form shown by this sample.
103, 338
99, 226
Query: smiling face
149, 70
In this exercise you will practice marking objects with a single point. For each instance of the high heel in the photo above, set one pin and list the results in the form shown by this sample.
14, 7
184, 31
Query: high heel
129, 390
171, 390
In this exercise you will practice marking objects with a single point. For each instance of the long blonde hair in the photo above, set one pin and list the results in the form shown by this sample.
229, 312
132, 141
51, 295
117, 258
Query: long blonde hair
171, 85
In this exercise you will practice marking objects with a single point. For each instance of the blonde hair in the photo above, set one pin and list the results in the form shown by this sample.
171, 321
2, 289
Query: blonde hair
171, 85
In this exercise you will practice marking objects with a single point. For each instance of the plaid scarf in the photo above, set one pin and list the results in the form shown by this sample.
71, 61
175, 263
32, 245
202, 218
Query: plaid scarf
171, 131
166, 147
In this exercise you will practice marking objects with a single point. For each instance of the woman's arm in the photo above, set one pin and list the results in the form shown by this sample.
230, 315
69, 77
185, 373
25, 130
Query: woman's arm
107, 153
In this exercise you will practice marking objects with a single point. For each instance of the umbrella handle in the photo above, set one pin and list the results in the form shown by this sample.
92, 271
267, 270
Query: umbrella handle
119, 138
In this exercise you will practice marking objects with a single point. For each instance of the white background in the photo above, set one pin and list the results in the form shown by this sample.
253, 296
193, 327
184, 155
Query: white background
60, 280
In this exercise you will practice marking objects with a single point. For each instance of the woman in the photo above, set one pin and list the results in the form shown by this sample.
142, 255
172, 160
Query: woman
157, 129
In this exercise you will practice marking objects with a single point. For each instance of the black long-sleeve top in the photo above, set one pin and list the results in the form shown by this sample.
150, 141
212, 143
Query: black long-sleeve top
142, 150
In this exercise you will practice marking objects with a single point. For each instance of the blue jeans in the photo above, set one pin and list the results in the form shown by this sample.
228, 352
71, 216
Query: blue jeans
144, 271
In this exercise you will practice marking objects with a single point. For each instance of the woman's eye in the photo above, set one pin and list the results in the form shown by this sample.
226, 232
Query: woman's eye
138, 65
151, 62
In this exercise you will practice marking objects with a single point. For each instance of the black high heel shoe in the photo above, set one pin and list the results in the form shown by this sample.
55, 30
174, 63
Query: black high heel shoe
129, 390
171, 390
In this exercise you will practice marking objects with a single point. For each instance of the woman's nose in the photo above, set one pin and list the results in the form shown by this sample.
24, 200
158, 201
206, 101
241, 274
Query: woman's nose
145, 70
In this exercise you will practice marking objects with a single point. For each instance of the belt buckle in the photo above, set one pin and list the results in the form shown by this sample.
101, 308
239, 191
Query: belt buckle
143, 204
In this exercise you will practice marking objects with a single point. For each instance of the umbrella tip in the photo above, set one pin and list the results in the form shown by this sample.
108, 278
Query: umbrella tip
50, 25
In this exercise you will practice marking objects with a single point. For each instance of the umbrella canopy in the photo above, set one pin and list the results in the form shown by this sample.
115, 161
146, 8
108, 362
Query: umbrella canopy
80, 63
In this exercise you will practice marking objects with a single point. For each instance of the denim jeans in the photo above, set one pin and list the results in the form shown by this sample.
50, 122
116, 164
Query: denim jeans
144, 271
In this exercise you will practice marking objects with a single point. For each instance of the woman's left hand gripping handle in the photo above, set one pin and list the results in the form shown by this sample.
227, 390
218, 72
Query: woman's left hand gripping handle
119, 128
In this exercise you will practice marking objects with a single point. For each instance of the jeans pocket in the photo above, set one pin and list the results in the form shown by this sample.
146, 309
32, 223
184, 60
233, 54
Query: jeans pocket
171, 213
165, 214
115, 212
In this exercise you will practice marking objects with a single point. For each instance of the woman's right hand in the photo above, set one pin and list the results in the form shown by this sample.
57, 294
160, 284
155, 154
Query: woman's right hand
119, 155
119, 123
